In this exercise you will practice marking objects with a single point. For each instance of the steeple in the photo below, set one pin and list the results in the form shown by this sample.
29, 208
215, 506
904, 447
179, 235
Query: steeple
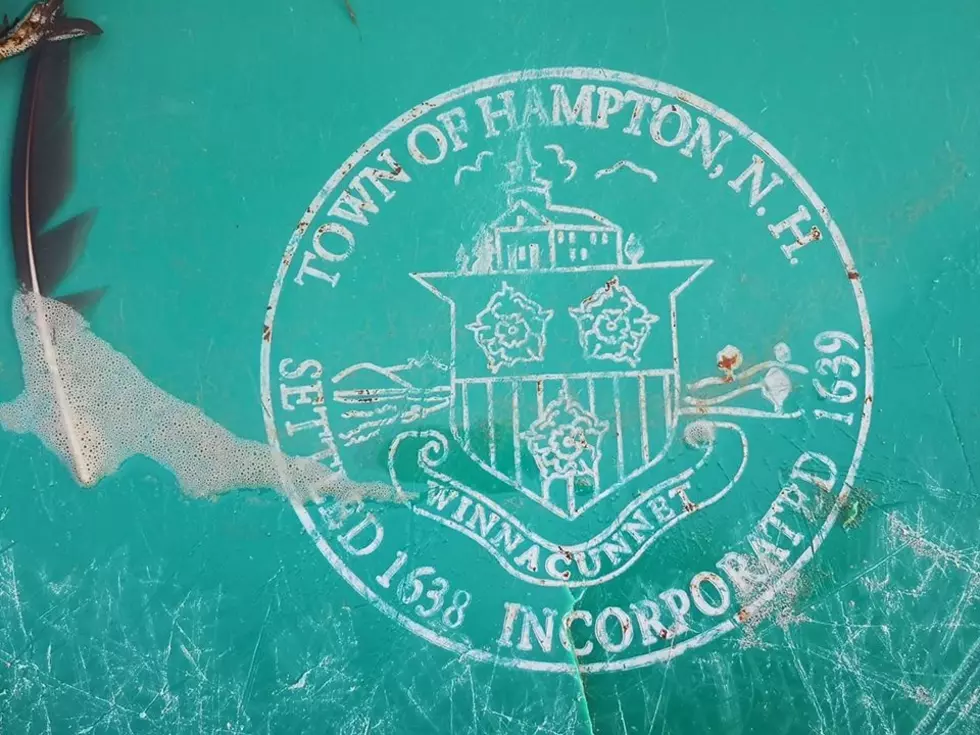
524, 181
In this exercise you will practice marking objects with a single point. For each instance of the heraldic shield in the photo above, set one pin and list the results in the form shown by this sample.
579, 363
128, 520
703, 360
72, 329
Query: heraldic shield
565, 380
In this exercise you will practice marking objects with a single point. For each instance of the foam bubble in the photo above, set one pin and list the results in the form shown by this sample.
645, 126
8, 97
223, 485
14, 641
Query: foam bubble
699, 433
93, 408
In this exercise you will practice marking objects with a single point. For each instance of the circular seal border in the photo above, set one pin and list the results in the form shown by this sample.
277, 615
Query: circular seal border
653, 85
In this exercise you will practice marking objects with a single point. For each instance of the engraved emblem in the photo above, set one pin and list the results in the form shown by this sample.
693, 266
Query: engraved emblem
612, 324
576, 379
567, 430
511, 329
565, 443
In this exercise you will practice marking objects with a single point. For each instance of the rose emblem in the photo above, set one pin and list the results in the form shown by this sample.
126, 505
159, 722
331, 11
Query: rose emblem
612, 324
565, 438
511, 329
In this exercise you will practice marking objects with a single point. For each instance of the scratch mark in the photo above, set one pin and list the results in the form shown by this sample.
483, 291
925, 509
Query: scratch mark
952, 418
805, 680
663, 685
301, 682
964, 678
418, 706
249, 679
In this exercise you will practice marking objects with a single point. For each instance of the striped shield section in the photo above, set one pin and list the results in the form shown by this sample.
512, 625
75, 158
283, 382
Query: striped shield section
631, 411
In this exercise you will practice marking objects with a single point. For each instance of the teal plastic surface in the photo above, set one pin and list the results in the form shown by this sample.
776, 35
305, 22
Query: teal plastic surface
656, 319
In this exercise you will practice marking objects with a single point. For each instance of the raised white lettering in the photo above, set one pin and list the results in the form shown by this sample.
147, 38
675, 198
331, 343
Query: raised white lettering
416, 152
825, 483
678, 605
369, 525
755, 171
742, 572
333, 228
305, 269
640, 102
454, 123
580, 113
702, 134
534, 108
490, 115
306, 365
647, 615
721, 592
377, 176
610, 102
529, 558
661, 509
624, 628
551, 566
564, 632
801, 239
683, 126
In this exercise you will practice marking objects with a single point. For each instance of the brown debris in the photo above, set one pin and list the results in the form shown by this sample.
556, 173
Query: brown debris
350, 13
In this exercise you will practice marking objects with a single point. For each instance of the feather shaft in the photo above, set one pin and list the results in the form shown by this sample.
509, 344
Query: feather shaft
41, 178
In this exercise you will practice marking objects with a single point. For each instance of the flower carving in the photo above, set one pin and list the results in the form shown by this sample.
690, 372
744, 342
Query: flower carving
511, 329
612, 324
565, 438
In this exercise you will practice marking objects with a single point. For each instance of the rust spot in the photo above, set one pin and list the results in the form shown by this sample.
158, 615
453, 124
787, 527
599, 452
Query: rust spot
663, 633
853, 275
625, 624
869, 399
610, 285
743, 616
729, 361
815, 233
364, 396
565, 552
689, 506
267, 333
